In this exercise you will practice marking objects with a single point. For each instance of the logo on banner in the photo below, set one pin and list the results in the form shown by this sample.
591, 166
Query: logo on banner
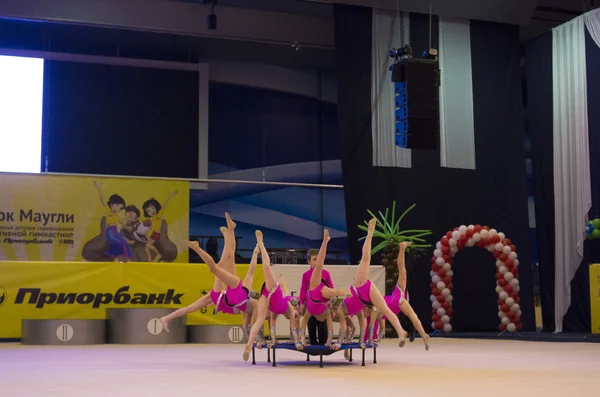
3, 295
154, 326
64, 332
235, 334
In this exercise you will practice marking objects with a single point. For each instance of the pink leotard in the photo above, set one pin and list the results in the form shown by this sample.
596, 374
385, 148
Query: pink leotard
394, 300
359, 299
277, 302
230, 301
316, 304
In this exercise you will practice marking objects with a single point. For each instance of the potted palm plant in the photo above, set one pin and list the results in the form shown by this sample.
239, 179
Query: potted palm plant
390, 235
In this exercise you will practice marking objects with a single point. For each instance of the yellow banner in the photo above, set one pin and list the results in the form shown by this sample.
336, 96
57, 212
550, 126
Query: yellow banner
73, 218
595, 297
60, 290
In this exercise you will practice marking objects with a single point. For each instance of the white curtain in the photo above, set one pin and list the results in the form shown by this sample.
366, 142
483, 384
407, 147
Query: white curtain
457, 128
385, 36
572, 193
592, 22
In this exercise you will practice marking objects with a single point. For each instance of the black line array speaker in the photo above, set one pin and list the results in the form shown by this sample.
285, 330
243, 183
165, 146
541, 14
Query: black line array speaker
416, 89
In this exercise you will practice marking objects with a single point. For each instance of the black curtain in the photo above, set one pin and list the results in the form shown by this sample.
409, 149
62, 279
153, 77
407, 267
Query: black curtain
494, 194
538, 53
117, 120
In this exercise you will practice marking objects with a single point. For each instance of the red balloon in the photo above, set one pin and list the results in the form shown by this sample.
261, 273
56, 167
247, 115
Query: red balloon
504, 308
477, 228
445, 250
447, 280
449, 312
449, 235
431, 285
514, 295
517, 321
450, 261
508, 289
436, 317
513, 248
455, 229
519, 327
503, 257
470, 233
446, 305
440, 298
444, 241
460, 245
510, 315
509, 263
436, 268
481, 243
502, 282
496, 254
487, 241
518, 300
441, 273
500, 302
435, 291
449, 286
446, 258
499, 276
486, 228
438, 325
496, 239
502, 327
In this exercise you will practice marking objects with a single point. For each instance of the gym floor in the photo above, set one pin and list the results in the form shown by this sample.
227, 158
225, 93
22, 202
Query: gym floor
452, 367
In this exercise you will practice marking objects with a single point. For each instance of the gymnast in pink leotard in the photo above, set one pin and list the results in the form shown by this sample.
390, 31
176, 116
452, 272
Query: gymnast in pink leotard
229, 294
398, 301
319, 293
364, 293
273, 299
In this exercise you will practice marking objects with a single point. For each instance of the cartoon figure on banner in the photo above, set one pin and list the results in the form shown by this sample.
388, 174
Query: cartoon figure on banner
124, 238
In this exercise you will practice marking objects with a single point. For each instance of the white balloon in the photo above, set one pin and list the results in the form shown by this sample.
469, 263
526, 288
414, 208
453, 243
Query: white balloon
484, 233
446, 266
445, 319
437, 253
438, 245
514, 282
456, 235
433, 325
441, 311
470, 243
503, 270
498, 289
477, 237
449, 298
452, 242
440, 261
441, 285
512, 256
498, 246
509, 276
506, 250
471, 227
436, 279
515, 308
446, 292
491, 248
433, 298
493, 232
432, 273
436, 305
462, 229
517, 288
503, 295
453, 251
516, 262
511, 327
450, 273
501, 314
519, 313
505, 320
447, 328
501, 235
499, 263
509, 302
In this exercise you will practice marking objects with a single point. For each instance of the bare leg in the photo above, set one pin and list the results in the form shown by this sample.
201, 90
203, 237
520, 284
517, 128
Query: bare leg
401, 266
283, 284
330, 293
249, 279
269, 276
377, 300
230, 264
231, 280
408, 310
362, 273
199, 304
317, 274
260, 322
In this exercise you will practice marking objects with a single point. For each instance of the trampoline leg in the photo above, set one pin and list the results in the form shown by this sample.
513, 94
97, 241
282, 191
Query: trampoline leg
351, 350
321, 362
363, 358
269, 354
374, 355
253, 356
307, 357
274, 361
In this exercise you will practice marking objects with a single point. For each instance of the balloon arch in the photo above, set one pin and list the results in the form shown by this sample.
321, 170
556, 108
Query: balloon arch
507, 275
